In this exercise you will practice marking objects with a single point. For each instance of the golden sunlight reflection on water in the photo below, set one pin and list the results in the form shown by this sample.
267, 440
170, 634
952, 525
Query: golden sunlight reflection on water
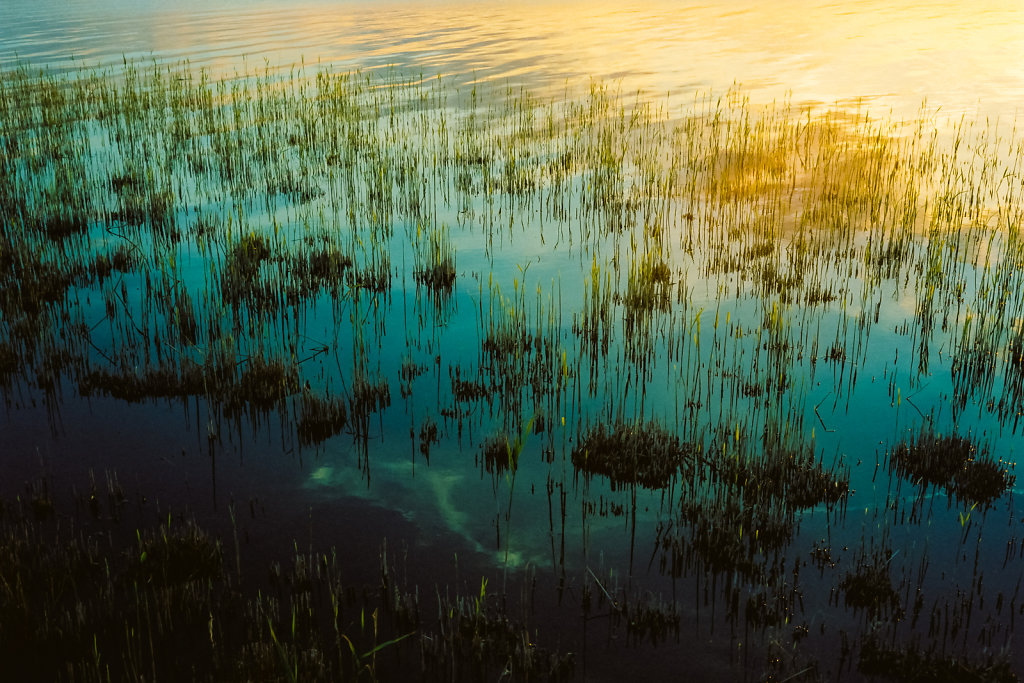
962, 56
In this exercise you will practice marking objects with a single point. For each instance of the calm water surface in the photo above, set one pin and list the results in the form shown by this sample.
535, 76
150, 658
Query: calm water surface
962, 57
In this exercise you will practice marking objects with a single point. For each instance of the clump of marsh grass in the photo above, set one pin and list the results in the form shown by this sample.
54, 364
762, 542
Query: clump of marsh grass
374, 275
1015, 351
428, 436
912, 664
868, 587
650, 620
408, 373
788, 473
498, 455
435, 261
322, 265
263, 383
466, 390
718, 532
166, 380
153, 208
59, 226
175, 555
369, 396
320, 418
958, 464
34, 280
632, 453
648, 288
240, 277
646, 617
121, 259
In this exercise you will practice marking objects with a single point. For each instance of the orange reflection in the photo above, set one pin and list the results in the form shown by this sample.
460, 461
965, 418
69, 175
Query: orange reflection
963, 56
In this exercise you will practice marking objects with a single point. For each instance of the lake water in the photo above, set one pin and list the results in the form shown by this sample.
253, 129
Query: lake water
962, 58
814, 282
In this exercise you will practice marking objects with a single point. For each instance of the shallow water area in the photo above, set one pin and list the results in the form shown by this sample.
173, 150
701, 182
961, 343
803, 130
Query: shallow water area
889, 55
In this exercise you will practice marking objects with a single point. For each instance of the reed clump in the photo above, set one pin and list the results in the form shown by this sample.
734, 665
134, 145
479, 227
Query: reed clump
787, 473
869, 588
407, 374
324, 265
263, 383
498, 456
320, 417
648, 287
369, 396
467, 390
175, 554
714, 544
121, 259
629, 454
958, 464
428, 437
34, 280
1015, 352
435, 262
241, 281
154, 209
374, 276
773, 606
718, 532
913, 664
58, 226
650, 620
163, 381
